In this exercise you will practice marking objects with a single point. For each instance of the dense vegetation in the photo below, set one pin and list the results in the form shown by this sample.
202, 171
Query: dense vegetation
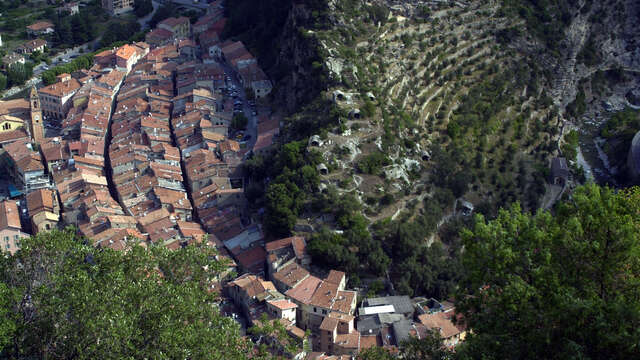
17, 74
61, 298
483, 143
545, 19
142, 8
556, 286
543, 286
81, 62
72, 30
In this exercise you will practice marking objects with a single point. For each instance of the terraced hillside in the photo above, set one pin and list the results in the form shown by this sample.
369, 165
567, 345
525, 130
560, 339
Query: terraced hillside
433, 106
428, 114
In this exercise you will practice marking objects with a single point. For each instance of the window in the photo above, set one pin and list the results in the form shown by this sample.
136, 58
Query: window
315, 310
16, 237
6, 238
8, 246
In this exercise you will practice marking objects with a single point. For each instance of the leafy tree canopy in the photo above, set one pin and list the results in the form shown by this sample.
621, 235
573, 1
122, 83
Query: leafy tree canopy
61, 298
562, 286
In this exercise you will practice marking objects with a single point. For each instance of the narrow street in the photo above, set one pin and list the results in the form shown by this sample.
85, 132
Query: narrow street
252, 124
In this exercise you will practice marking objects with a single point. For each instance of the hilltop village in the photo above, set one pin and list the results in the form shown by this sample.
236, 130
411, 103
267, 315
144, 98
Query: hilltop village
147, 147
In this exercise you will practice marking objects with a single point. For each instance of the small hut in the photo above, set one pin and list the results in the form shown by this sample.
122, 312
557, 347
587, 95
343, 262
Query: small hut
322, 169
315, 141
559, 171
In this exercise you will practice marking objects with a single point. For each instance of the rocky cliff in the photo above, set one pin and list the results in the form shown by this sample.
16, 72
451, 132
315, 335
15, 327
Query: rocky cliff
596, 36
298, 72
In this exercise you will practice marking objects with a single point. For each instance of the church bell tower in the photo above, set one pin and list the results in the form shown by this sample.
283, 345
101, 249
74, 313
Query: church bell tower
36, 125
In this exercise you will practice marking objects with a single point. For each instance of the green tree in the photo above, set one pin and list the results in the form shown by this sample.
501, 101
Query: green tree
430, 347
7, 318
375, 353
81, 29
142, 7
239, 121
18, 74
556, 286
71, 300
3, 82
281, 212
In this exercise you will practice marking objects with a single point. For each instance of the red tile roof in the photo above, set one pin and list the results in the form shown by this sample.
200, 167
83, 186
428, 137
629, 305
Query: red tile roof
253, 259
305, 290
40, 26
9, 216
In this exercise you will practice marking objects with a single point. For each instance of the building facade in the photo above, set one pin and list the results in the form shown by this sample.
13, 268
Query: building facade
117, 7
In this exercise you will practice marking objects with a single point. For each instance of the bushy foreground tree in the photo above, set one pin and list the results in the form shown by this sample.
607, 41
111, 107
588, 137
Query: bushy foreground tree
61, 298
561, 286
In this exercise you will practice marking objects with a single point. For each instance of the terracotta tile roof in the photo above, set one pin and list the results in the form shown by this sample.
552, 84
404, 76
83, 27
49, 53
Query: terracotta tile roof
9, 216
32, 45
173, 21
253, 259
282, 304
190, 229
154, 216
329, 324
291, 275
369, 341
342, 302
335, 277
348, 341
40, 26
55, 151
324, 295
62, 88
177, 199
40, 200
161, 230
14, 135
229, 145
112, 79
30, 163
126, 52
441, 322
305, 290
159, 33
297, 243
252, 285
10, 107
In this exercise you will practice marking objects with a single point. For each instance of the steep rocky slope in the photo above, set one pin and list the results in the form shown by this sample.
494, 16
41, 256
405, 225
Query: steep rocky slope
406, 116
